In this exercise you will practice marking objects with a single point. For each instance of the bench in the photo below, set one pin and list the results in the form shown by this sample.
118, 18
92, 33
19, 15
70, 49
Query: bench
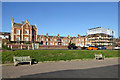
21, 59
99, 56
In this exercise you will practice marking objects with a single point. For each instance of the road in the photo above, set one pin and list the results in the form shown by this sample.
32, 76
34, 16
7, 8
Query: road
107, 68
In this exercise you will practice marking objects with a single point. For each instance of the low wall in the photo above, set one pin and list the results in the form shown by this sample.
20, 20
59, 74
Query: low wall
25, 46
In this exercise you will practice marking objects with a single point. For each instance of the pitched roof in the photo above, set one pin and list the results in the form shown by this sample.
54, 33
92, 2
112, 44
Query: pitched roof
19, 25
4, 33
50, 36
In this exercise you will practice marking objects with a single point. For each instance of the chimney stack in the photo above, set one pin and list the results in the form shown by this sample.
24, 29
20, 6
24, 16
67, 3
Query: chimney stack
47, 34
78, 35
68, 36
58, 35
27, 21
12, 19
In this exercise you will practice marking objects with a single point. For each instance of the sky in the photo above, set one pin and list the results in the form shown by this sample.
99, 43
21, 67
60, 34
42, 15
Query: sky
64, 18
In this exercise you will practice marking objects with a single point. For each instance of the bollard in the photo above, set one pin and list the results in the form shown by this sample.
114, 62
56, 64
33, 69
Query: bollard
33, 48
8, 46
11, 46
21, 46
28, 47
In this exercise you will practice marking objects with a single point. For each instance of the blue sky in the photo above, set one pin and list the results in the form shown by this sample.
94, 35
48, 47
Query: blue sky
64, 18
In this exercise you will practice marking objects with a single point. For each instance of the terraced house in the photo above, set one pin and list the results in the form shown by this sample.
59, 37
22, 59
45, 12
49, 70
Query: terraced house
50, 40
58, 40
22, 32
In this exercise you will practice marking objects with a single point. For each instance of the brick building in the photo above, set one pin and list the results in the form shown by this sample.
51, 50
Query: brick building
22, 32
58, 40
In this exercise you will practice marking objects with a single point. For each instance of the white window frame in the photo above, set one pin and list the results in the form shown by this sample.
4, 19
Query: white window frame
17, 37
42, 39
26, 25
55, 43
65, 40
27, 39
55, 39
18, 33
27, 32
46, 39
50, 43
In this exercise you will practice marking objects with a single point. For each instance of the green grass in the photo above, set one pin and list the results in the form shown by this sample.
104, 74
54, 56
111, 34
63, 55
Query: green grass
56, 55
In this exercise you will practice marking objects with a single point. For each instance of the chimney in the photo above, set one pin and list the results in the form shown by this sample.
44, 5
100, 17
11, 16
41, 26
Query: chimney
12, 19
27, 21
68, 36
58, 35
87, 34
47, 34
78, 35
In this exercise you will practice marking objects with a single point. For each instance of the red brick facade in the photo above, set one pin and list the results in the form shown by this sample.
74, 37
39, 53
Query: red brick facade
23, 32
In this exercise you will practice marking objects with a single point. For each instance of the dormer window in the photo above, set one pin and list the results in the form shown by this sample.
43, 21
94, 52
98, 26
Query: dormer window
26, 25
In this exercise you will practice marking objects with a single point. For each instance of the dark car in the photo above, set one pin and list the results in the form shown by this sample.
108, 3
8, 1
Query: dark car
101, 47
72, 46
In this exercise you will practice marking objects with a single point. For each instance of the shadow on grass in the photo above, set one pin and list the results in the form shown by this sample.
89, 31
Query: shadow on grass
99, 72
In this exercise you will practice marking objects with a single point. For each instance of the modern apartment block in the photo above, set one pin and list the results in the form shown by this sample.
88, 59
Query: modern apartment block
22, 32
100, 36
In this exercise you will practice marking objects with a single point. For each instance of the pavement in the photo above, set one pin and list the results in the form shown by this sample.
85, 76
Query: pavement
107, 68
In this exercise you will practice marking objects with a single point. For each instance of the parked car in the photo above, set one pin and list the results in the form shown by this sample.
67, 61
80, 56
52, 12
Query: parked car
101, 47
117, 48
84, 47
92, 48
72, 46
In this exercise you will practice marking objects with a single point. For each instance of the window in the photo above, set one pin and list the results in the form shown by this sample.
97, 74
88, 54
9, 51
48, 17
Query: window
54, 39
46, 39
50, 43
26, 38
50, 39
65, 40
17, 39
55, 43
79, 39
46, 43
62, 40
76, 40
26, 32
26, 25
42, 39
82, 39
18, 32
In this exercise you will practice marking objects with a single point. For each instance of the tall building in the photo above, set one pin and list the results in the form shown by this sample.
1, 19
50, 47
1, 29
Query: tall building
100, 36
22, 32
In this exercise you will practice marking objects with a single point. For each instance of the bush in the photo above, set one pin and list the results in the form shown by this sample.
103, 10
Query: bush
28, 42
4, 47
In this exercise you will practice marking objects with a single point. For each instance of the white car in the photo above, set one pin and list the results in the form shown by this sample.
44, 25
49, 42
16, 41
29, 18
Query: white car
117, 48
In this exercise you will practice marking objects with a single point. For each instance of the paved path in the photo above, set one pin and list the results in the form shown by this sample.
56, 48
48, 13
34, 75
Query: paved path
65, 69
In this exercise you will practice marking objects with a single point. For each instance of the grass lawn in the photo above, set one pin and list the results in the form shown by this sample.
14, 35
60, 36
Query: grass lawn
56, 55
